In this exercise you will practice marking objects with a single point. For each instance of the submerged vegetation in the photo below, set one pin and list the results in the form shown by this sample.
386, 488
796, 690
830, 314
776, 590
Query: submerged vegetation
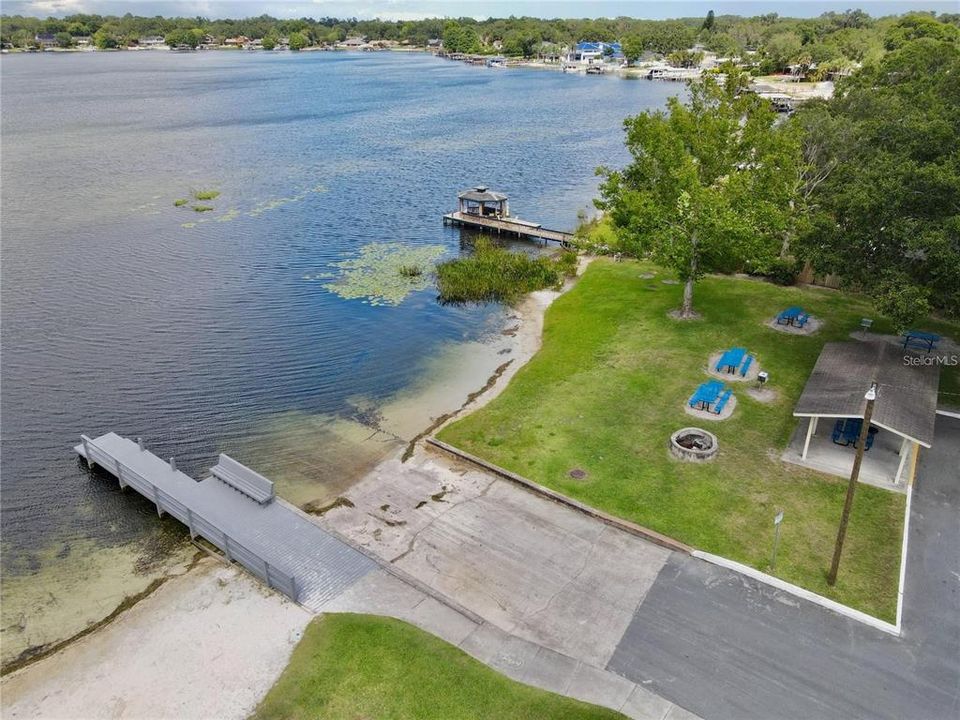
385, 273
350, 666
180, 202
201, 208
206, 194
494, 274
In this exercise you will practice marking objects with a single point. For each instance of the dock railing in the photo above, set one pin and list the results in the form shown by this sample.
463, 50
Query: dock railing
272, 575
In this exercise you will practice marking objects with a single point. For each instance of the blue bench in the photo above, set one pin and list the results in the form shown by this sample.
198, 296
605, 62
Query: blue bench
731, 359
722, 402
846, 431
801, 320
787, 317
920, 340
706, 393
746, 366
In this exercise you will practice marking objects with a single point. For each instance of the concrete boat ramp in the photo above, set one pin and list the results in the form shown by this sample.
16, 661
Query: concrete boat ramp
271, 539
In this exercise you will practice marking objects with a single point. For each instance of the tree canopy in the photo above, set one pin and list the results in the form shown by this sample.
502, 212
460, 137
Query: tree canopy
710, 184
886, 216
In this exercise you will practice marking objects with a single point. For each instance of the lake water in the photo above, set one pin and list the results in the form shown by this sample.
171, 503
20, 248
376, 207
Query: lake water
216, 330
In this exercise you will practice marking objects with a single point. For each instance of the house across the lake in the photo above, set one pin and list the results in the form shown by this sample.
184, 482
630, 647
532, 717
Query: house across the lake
588, 53
903, 419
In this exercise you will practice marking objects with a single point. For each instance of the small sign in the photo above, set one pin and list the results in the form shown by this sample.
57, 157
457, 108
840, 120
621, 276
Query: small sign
778, 518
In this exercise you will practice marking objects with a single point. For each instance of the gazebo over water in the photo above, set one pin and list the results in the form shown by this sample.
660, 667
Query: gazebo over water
484, 202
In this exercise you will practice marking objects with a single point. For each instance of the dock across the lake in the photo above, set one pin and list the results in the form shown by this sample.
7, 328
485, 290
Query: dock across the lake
236, 511
509, 226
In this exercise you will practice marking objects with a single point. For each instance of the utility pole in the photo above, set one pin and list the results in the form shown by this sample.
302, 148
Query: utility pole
870, 397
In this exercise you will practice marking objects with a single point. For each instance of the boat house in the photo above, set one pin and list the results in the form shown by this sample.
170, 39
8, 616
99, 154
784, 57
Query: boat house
903, 418
483, 202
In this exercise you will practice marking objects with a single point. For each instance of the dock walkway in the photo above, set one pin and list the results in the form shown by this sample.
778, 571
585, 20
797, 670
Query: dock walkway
511, 226
273, 541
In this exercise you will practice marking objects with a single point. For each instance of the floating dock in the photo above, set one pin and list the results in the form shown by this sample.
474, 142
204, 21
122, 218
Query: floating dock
509, 226
273, 540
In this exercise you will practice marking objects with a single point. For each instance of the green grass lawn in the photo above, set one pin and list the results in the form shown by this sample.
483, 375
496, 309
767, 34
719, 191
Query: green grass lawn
352, 667
609, 387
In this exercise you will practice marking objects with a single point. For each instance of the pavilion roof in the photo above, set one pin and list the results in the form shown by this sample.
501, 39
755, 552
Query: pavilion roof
906, 392
481, 194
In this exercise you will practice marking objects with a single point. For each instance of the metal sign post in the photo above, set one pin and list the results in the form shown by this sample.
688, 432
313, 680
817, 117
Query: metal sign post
778, 518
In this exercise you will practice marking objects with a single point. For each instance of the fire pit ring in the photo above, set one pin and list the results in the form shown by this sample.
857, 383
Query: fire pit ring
694, 444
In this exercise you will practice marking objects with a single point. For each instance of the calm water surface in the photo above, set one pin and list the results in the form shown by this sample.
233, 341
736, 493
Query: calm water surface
209, 331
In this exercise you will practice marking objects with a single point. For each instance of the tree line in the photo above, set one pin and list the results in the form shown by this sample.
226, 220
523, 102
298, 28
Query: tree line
864, 186
832, 40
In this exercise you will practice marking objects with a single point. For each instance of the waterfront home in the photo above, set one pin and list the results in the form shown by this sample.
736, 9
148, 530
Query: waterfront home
46, 41
353, 43
151, 42
588, 53
236, 42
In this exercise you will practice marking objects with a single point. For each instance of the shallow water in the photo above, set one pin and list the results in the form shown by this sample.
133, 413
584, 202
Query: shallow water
216, 331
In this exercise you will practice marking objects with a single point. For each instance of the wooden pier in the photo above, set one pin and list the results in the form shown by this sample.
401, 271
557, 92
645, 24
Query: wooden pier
239, 515
483, 209
509, 226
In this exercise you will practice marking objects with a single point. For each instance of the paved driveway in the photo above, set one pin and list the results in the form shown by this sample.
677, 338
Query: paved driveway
724, 646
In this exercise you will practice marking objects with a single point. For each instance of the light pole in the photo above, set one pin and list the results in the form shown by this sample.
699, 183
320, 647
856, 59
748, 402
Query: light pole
870, 397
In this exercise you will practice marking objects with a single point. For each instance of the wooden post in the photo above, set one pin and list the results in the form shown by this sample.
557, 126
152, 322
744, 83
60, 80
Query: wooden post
870, 397
119, 474
173, 464
140, 444
914, 456
226, 548
193, 533
266, 573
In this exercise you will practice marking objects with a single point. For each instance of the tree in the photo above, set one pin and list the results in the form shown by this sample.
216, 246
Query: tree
184, 37
886, 217
106, 38
708, 22
709, 186
298, 41
269, 42
918, 25
64, 39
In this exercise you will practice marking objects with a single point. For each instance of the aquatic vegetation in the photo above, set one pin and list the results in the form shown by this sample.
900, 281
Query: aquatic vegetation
188, 225
202, 208
376, 275
229, 215
411, 270
180, 202
493, 274
206, 194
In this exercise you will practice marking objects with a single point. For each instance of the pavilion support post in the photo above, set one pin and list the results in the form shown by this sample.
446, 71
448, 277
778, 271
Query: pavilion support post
811, 427
904, 453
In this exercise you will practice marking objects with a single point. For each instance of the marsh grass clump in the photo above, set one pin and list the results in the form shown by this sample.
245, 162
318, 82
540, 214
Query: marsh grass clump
206, 194
201, 208
411, 271
494, 274
180, 202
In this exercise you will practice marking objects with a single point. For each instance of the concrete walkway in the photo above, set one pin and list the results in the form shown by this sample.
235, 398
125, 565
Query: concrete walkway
381, 593
726, 646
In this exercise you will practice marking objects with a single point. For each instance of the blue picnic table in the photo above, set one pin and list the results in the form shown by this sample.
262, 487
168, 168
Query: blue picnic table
706, 394
731, 360
920, 339
793, 315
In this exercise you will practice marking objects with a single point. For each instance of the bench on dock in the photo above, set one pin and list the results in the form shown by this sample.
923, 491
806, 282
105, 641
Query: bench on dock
243, 479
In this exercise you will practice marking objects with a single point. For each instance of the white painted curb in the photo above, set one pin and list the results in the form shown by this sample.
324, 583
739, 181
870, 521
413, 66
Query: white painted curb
948, 413
800, 592
903, 559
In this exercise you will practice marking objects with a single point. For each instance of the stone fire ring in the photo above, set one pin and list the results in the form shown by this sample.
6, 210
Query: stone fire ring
694, 444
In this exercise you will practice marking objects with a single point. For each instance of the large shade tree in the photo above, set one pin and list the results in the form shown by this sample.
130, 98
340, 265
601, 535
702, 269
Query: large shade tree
886, 217
710, 186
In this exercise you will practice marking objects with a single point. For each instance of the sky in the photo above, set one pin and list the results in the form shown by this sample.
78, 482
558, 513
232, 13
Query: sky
418, 9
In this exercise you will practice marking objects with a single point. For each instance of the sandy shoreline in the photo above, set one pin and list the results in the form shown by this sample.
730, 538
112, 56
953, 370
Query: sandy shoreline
223, 663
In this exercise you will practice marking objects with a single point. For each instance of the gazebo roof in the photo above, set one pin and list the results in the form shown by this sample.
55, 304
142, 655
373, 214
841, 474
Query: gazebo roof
906, 393
481, 194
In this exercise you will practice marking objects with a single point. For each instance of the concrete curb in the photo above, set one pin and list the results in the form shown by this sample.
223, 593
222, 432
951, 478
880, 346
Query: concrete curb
800, 592
903, 560
625, 525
